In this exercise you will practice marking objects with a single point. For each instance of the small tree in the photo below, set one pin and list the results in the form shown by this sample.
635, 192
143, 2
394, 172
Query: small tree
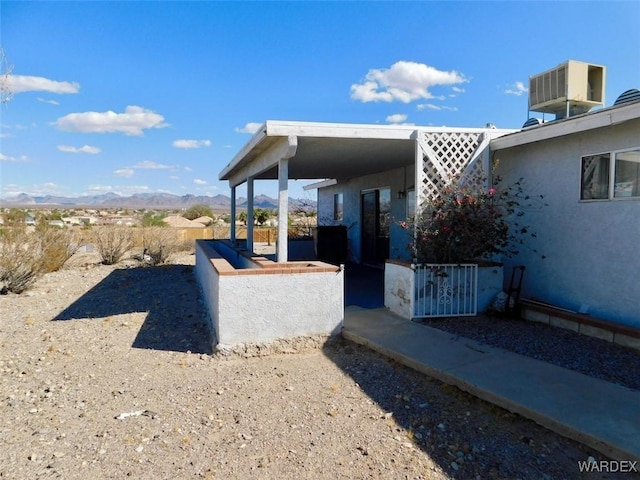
150, 219
261, 215
197, 211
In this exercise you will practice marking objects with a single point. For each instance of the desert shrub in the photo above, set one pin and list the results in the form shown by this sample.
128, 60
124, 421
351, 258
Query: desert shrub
58, 246
112, 242
158, 243
21, 258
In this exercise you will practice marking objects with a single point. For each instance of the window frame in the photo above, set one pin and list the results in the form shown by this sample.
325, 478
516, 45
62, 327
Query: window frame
613, 157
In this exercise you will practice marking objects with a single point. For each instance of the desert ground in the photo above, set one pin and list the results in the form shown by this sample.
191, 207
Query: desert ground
108, 373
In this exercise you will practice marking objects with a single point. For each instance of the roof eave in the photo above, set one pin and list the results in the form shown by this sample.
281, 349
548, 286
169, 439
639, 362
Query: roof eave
581, 123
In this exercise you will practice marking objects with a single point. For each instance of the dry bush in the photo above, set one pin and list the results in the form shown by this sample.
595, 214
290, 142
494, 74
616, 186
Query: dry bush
158, 243
21, 260
112, 242
58, 245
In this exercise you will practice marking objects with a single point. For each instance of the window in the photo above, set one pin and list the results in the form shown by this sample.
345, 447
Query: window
338, 207
411, 203
627, 174
595, 177
610, 175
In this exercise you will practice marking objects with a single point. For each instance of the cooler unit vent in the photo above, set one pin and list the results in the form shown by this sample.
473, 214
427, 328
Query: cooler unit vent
569, 89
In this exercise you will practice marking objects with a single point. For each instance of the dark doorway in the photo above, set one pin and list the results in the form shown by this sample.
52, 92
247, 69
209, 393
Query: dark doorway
376, 214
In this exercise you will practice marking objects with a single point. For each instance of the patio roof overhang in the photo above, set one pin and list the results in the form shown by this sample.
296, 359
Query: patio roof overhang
321, 150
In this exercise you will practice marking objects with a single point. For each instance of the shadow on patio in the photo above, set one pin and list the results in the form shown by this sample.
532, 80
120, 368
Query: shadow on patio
169, 294
364, 286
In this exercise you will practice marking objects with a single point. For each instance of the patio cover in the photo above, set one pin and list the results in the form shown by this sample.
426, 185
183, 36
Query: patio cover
283, 150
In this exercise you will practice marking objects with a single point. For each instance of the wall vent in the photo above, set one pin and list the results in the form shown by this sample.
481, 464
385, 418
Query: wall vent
569, 89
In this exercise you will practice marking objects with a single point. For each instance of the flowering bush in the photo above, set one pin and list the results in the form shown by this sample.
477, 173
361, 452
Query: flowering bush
470, 222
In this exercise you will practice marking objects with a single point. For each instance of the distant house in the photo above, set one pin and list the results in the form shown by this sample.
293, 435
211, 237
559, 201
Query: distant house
203, 220
587, 167
177, 221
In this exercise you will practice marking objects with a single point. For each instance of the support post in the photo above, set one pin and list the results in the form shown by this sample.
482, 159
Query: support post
283, 210
250, 214
232, 235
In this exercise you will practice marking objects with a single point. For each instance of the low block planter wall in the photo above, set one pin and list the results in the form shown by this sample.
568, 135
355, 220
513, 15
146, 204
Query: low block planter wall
400, 288
624, 335
259, 301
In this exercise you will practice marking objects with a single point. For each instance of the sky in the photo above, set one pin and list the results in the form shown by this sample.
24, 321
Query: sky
145, 97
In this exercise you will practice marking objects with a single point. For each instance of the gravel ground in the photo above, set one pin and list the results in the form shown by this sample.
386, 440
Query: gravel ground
107, 373
564, 348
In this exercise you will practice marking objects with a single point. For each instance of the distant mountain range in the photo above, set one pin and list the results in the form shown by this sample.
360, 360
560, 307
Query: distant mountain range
148, 200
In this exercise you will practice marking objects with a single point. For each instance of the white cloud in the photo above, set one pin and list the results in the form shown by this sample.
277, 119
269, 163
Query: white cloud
188, 169
517, 89
458, 89
124, 172
197, 181
251, 127
50, 102
120, 190
100, 188
83, 149
191, 143
148, 164
133, 121
431, 106
404, 82
26, 83
6, 158
396, 118
174, 177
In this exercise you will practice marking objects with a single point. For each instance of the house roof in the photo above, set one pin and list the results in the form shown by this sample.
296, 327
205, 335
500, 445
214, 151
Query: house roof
326, 150
579, 123
180, 222
204, 220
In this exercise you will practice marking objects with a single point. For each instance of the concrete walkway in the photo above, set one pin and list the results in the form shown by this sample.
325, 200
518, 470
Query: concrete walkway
599, 414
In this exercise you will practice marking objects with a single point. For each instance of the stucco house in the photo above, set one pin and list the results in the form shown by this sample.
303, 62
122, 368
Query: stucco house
587, 167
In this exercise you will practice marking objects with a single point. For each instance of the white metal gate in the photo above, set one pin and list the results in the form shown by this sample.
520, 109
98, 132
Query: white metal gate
445, 290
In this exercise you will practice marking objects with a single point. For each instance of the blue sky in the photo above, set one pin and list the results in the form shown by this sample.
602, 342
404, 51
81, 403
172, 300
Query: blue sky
141, 97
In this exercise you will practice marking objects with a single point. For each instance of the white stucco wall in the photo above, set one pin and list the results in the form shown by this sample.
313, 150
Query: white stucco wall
263, 308
399, 289
352, 190
593, 258
207, 279
256, 307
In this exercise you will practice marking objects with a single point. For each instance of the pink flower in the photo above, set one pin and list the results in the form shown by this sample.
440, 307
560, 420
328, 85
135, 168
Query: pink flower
492, 191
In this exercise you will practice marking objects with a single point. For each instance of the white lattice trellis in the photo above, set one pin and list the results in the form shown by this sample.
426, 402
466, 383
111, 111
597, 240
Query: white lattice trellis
445, 156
